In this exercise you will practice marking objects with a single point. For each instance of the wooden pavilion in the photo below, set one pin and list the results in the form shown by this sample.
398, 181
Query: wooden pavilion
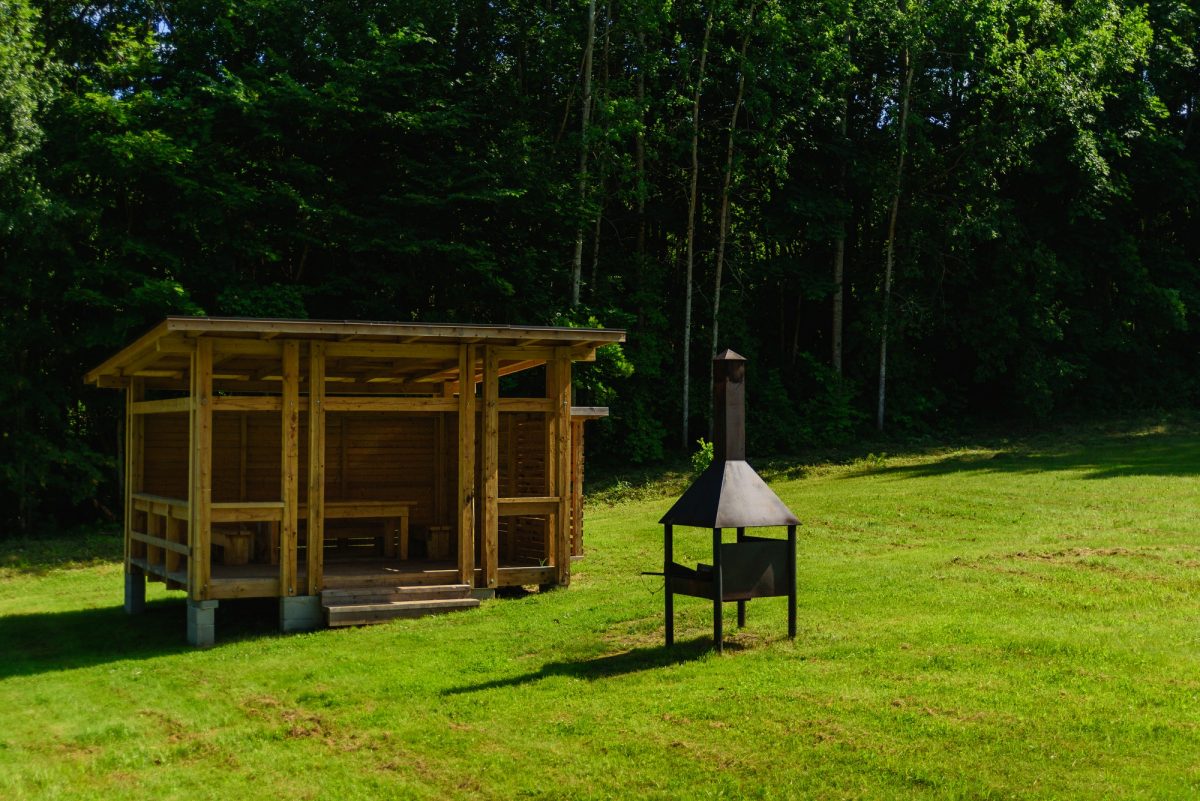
354, 470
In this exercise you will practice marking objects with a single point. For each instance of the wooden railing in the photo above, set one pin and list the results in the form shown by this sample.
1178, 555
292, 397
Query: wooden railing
159, 537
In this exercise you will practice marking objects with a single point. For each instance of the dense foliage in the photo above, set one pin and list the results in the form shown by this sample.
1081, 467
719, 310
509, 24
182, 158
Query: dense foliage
430, 161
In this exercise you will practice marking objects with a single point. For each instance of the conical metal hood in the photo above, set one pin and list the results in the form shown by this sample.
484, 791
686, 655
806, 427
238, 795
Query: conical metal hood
729, 494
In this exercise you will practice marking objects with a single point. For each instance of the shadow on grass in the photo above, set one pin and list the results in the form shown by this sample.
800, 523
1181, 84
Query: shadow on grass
606, 667
1158, 454
72, 551
31, 644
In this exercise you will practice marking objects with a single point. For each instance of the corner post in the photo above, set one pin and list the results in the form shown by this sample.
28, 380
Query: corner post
668, 594
576, 488
135, 577
289, 472
491, 466
200, 495
718, 594
465, 509
559, 467
316, 467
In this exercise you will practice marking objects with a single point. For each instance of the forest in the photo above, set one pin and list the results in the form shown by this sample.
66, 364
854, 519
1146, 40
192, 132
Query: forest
906, 214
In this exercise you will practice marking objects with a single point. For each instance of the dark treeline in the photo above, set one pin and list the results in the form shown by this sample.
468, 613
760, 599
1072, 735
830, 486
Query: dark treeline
1002, 191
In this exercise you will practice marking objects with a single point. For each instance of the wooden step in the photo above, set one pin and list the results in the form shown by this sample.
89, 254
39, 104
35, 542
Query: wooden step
362, 614
389, 578
370, 594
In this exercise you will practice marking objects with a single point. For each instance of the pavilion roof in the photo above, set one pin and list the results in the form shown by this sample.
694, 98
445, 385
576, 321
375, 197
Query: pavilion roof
363, 350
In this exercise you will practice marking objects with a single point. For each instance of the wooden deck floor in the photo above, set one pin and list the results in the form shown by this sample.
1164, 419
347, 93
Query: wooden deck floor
262, 580
352, 573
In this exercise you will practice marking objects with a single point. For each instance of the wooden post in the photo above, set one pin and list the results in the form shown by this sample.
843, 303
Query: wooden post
289, 472
560, 466
465, 509
316, 467
576, 488
134, 465
200, 495
491, 465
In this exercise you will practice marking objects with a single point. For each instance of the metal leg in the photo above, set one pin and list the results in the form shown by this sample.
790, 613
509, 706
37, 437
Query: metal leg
791, 582
718, 594
741, 605
668, 596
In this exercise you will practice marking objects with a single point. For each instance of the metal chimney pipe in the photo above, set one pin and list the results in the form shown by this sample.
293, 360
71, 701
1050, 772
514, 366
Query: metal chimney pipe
729, 406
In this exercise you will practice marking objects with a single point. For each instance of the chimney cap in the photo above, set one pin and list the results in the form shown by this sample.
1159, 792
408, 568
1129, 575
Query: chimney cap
729, 355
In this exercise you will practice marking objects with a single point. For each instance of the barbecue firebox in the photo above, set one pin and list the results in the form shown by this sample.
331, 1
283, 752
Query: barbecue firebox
729, 494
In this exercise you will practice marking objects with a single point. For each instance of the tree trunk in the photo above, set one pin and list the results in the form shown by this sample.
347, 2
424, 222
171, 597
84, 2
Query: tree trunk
839, 258
594, 283
905, 94
641, 147
577, 262
723, 226
691, 228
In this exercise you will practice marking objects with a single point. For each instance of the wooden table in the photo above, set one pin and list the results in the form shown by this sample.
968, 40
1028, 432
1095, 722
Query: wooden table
395, 515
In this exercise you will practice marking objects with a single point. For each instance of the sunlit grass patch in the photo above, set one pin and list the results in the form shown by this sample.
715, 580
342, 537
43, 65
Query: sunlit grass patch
991, 620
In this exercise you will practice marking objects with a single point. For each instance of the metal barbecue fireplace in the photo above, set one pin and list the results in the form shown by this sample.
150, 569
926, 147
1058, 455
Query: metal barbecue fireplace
729, 494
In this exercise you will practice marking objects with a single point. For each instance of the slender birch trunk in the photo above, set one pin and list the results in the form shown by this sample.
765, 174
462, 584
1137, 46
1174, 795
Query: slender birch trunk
839, 261
640, 148
691, 227
889, 261
595, 279
577, 262
594, 283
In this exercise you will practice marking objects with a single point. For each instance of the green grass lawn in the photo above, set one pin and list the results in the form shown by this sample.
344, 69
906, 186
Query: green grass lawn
1020, 621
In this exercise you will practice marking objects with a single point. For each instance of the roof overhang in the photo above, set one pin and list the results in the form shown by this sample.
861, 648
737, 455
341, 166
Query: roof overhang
407, 356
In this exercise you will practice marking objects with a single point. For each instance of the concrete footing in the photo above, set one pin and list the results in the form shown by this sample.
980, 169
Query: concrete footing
201, 623
483, 593
135, 591
300, 613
